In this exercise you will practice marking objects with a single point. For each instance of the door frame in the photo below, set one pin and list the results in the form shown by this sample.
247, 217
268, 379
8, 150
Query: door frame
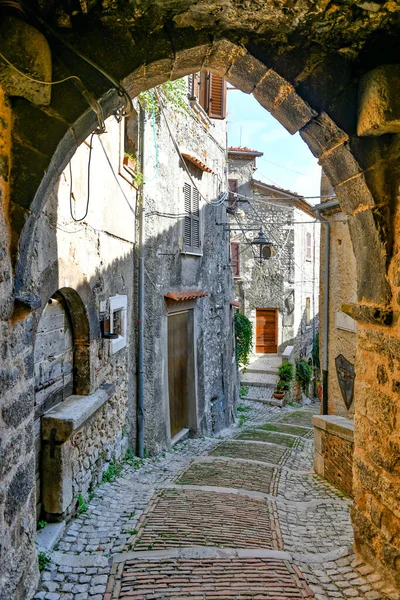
173, 308
260, 308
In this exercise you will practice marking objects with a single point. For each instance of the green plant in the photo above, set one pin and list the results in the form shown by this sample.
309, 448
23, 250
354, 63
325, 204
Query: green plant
244, 338
43, 560
82, 505
114, 470
303, 373
242, 408
242, 420
280, 387
173, 93
41, 524
315, 351
286, 373
243, 391
132, 460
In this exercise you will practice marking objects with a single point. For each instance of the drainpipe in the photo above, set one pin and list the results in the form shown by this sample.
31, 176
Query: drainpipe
140, 359
319, 208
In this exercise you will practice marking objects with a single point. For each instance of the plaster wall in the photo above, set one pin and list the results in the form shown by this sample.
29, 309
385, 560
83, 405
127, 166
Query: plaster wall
342, 290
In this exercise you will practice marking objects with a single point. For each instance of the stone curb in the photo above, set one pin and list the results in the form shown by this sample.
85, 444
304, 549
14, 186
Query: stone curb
201, 552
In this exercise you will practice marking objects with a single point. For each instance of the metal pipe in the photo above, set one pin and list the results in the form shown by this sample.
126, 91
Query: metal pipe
325, 205
325, 312
140, 359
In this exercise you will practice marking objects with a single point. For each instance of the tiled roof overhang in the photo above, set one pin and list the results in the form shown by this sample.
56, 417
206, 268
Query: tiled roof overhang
197, 162
234, 303
180, 296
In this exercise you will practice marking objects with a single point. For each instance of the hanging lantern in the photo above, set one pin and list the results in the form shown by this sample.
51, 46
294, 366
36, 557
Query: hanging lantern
263, 248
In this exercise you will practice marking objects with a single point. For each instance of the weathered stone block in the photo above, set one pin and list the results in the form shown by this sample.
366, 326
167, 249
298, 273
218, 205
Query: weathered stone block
246, 72
272, 90
370, 254
222, 54
379, 101
18, 410
10, 452
56, 478
339, 164
189, 60
293, 113
321, 134
27, 49
19, 491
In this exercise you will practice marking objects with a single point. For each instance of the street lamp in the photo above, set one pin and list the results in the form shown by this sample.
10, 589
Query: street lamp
262, 247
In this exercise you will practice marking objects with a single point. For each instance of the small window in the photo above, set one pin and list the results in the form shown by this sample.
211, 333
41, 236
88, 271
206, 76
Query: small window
129, 148
308, 246
308, 311
235, 257
191, 233
118, 308
210, 92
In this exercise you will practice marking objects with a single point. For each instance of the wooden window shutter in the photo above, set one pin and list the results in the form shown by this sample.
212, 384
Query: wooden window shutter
235, 253
308, 249
216, 97
188, 219
191, 233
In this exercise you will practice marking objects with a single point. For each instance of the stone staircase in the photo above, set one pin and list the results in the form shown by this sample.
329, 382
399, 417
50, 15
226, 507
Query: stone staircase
260, 377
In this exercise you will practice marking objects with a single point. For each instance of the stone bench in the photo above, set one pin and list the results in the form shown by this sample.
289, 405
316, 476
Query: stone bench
61, 427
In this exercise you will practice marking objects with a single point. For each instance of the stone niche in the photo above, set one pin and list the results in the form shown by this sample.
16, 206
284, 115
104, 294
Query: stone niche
74, 439
334, 448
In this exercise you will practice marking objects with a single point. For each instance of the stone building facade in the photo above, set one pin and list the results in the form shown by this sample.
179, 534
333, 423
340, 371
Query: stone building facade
329, 84
282, 291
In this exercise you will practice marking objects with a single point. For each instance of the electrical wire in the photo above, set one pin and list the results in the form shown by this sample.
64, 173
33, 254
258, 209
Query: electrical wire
283, 167
91, 100
71, 193
116, 176
121, 91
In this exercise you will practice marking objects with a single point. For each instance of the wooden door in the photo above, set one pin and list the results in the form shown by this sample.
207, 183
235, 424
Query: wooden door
178, 356
267, 330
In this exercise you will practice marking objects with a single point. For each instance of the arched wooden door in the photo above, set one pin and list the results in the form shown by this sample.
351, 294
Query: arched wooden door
53, 359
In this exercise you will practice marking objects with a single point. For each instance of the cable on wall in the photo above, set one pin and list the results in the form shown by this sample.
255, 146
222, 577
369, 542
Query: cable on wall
71, 193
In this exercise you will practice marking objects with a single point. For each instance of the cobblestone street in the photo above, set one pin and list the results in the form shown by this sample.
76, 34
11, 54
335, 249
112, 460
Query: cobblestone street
237, 516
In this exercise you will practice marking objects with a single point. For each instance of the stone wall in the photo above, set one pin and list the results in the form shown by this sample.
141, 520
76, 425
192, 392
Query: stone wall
333, 452
342, 290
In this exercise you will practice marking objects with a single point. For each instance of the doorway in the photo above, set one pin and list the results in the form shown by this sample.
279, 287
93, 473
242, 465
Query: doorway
267, 330
179, 364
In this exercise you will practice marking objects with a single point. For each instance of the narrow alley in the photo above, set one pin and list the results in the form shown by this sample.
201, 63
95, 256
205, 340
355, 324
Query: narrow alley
241, 515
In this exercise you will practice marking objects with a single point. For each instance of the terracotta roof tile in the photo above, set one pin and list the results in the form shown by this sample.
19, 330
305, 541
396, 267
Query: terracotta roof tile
190, 295
197, 162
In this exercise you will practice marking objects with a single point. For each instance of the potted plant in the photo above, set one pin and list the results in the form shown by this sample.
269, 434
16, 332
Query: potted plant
279, 391
303, 375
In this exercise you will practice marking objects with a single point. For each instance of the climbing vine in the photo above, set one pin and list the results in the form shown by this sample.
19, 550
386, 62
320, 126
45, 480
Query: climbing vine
303, 374
244, 338
173, 93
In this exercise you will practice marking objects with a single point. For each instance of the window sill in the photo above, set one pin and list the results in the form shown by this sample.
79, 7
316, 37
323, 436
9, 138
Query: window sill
189, 253
69, 416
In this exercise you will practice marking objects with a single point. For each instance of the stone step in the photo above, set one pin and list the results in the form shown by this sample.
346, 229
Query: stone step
268, 401
268, 371
262, 380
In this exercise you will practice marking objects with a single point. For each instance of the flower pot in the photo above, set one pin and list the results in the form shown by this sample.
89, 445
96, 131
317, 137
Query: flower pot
279, 395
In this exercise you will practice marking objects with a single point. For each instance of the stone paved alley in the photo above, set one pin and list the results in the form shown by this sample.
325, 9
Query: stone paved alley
238, 516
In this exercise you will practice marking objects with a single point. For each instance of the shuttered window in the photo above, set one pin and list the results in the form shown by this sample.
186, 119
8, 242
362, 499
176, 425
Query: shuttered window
191, 234
210, 92
235, 254
308, 246
216, 97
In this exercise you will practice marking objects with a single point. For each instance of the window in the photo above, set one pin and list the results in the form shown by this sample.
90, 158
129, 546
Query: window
308, 311
235, 257
308, 246
129, 148
191, 233
210, 92
118, 307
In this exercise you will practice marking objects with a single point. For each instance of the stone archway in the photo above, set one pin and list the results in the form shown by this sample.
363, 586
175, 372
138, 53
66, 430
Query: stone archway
304, 67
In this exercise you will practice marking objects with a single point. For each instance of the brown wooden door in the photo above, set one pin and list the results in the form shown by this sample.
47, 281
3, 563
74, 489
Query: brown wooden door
178, 354
267, 330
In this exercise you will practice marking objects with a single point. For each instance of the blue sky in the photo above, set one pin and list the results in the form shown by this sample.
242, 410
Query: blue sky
249, 124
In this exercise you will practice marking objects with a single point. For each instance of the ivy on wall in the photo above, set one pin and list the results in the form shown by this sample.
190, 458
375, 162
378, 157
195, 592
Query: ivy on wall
244, 339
